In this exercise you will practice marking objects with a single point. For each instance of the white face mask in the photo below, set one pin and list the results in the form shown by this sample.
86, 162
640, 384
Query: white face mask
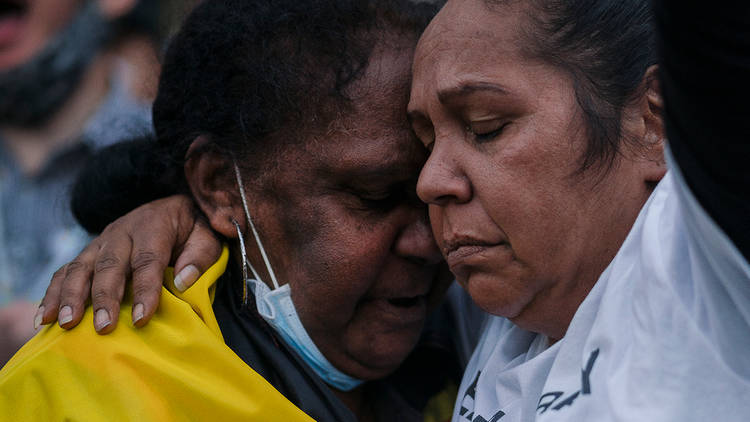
277, 308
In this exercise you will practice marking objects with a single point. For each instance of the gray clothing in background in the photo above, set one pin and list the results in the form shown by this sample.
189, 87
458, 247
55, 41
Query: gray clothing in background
38, 233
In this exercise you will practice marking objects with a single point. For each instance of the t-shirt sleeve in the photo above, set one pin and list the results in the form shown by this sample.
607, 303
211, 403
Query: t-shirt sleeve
705, 77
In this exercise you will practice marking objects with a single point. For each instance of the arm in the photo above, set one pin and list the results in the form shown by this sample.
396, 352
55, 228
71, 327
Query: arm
705, 71
139, 245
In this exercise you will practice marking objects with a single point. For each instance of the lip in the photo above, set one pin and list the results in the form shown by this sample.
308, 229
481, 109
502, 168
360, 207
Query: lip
13, 18
460, 251
396, 315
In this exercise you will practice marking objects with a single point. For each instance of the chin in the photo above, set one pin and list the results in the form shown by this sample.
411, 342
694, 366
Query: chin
381, 354
492, 297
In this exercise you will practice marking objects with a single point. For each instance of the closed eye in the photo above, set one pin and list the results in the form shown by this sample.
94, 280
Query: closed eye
486, 132
378, 201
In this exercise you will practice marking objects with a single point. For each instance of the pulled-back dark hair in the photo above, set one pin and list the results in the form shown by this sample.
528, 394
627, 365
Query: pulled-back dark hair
606, 46
246, 75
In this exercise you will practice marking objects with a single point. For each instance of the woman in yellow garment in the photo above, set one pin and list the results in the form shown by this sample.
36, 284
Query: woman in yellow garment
285, 121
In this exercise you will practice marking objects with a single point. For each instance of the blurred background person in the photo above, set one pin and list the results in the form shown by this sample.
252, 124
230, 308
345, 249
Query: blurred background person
75, 75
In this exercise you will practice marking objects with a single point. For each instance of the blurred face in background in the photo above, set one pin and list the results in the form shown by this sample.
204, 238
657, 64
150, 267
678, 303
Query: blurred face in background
27, 25
52, 49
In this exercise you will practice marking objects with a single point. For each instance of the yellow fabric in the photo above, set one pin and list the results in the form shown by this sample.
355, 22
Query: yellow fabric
440, 407
177, 368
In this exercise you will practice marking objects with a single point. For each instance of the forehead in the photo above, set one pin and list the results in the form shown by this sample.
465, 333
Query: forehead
466, 18
374, 133
470, 40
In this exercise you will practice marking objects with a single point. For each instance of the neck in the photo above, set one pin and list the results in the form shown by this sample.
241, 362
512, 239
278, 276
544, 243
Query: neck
356, 401
31, 147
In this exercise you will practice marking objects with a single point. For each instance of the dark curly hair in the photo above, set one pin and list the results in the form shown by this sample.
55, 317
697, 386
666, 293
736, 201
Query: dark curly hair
245, 74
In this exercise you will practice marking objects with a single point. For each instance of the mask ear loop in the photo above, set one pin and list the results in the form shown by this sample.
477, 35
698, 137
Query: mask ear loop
245, 264
252, 227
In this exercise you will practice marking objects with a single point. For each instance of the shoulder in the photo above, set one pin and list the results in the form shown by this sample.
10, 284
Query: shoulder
672, 321
175, 368
122, 369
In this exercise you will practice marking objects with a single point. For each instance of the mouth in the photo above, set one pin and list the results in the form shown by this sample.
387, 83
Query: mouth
399, 312
12, 8
12, 17
461, 250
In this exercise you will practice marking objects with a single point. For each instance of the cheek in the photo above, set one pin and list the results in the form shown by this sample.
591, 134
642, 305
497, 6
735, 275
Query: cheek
542, 231
528, 189
48, 18
335, 269
534, 203
334, 309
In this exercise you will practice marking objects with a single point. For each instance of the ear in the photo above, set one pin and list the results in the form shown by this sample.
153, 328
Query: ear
211, 180
647, 126
113, 9
654, 122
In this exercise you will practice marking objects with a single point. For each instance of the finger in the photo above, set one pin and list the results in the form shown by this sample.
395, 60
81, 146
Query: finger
201, 250
71, 281
168, 223
111, 271
47, 311
154, 237
75, 290
149, 260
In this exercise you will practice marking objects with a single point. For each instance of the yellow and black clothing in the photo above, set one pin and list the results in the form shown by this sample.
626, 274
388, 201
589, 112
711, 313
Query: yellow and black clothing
203, 356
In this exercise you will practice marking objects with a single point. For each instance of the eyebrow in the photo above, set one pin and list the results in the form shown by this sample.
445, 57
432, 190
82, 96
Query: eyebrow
377, 172
389, 170
447, 94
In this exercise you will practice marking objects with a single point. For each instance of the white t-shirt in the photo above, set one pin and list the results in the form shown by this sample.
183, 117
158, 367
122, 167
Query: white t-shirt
664, 335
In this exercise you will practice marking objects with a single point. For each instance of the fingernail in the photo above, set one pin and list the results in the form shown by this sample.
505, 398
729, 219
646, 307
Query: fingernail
38, 317
101, 319
137, 312
186, 277
65, 315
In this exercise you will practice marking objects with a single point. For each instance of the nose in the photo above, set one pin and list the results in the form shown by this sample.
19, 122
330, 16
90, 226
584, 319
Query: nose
441, 179
415, 241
